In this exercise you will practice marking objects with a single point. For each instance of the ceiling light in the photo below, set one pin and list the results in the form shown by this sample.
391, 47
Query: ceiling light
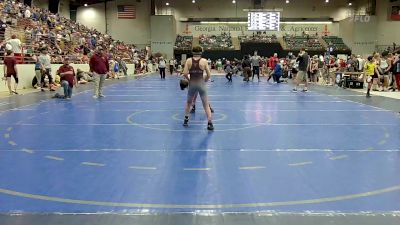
167, 3
85, 4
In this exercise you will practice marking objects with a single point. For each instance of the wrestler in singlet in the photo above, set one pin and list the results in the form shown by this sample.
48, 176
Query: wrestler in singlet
197, 84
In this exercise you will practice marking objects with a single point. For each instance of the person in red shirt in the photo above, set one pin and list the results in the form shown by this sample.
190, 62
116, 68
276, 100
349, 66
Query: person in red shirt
10, 70
100, 68
68, 78
271, 65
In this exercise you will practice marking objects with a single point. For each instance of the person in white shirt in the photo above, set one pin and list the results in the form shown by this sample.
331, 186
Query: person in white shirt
360, 63
162, 64
27, 13
45, 63
171, 65
15, 45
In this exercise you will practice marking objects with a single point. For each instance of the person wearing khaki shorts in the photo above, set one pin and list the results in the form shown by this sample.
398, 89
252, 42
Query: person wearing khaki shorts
304, 63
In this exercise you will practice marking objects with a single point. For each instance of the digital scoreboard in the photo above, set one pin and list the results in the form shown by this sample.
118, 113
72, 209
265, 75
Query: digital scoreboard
263, 21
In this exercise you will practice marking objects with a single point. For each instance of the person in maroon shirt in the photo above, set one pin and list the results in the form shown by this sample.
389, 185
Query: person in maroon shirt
68, 78
10, 70
100, 68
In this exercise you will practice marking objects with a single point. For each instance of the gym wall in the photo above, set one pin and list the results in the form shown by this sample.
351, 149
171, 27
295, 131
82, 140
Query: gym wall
128, 30
163, 35
41, 3
63, 8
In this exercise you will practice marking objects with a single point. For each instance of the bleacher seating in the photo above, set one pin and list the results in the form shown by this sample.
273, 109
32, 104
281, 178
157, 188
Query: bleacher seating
214, 42
183, 42
260, 38
62, 37
305, 41
335, 42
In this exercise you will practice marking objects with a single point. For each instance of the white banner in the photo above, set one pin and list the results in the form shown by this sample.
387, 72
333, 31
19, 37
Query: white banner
241, 29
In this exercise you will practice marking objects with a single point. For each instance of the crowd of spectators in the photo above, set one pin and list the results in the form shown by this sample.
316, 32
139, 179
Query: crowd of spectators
183, 42
335, 42
38, 28
213, 42
305, 41
259, 37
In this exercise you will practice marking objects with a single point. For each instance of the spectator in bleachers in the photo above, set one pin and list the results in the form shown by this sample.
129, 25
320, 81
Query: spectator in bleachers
259, 37
223, 41
3, 26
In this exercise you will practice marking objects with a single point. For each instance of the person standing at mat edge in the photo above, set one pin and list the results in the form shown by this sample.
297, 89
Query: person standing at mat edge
304, 63
162, 64
196, 66
99, 67
10, 70
255, 62
371, 71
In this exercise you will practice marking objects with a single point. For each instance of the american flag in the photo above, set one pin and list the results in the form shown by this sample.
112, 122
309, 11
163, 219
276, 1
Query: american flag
126, 12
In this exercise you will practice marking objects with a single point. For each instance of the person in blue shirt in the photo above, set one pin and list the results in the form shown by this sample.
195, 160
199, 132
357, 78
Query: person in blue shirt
278, 71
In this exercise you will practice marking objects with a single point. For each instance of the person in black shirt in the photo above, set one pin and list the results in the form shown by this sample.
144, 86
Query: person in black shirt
304, 65
246, 65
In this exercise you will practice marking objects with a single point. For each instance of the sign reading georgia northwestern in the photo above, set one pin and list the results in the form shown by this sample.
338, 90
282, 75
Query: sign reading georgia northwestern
242, 29
263, 21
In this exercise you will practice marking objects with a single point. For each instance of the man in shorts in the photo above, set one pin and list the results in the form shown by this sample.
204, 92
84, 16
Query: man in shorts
371, 71
196, 66
10, 70
304, 63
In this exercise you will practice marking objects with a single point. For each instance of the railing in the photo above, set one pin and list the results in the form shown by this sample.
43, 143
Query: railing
29, 50
382, 48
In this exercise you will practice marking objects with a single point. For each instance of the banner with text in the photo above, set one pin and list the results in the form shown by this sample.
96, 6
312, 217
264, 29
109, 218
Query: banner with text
241, 29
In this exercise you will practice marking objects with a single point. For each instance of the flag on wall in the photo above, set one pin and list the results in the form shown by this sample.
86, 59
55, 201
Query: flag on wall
126, 12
